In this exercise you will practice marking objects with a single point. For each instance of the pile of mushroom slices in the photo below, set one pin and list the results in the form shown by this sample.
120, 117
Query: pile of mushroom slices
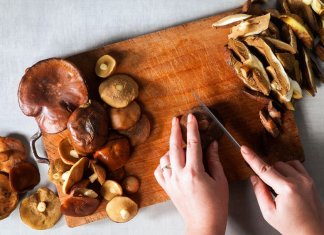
270, 50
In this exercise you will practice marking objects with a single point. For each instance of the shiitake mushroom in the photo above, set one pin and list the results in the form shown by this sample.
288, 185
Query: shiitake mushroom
125, 118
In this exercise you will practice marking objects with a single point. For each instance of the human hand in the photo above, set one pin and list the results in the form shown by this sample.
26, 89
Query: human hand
297, 208
201, 198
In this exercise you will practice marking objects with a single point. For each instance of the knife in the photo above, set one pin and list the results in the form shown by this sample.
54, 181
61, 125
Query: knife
227, 133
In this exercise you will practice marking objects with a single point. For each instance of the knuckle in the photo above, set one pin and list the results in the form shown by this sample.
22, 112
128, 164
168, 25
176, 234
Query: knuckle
264, 168
192, 142
290, 187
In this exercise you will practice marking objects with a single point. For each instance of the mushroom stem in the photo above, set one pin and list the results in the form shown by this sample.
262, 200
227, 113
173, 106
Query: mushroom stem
41, 207
74, 153
93, 177
124, 214
65, 175
103, 66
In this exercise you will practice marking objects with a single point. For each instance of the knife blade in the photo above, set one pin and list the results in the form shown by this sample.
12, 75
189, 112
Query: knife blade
227, 133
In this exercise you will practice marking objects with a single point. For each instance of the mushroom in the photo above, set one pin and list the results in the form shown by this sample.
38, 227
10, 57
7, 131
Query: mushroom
105, 66
12, 152
119, 90
131, 184
230, 19
125, 118
272, 31
40, 210
111, 189
80, 192
23, 176
114, 154
8, 197
281, 45
139, 133
67, 153
289, 36
268, 123
88, 127
291, 65
308, 73
56, 169
318, 7
121, 209
99, 173
75, 174
116, 175
79, 206
283, 6
319, 50
274, 112
208, 129
49, 91
251, 26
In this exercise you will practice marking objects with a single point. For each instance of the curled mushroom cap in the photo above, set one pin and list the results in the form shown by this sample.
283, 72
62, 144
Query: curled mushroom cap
118, 90
8, 198
125, 118
67, 153
49, 91
111, 189
56, 170
121, 209
99, 173
40, 210
12, 151
88, 127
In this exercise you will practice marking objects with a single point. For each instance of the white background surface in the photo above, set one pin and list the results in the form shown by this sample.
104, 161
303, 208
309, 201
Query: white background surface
31, 30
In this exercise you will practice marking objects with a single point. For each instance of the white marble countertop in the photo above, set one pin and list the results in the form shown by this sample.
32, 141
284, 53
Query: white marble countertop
35, 29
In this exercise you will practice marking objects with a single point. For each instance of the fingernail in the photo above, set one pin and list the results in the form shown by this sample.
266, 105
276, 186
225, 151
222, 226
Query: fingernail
245, 150
189, 118
254, 180
174, 120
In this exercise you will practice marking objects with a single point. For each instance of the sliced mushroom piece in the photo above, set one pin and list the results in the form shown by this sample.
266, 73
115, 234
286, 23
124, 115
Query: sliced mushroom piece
12, 152
230, 19
274, 113
291, 65
290, 37
111, 189
251, 26
125, 118
139, 133
40, 210
253, 8
131, 184
310, 18
268, 123
79, 206
319, 50
121, 209
24, 176
75, 174
88, 127
317, 72
67, 153
321, 32
105, 66
318, 7
308, 74
8, 197
307, 2
99, 173
56, 169
283, 6
281, 81
119, 90
300, 28
49, 91
272, 31
114, 154
281, 45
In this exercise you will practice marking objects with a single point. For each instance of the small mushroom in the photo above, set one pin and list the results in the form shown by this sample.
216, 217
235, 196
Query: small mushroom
75, 174
56, 169
67, 153
49, 91
230, 19
268, 123
114, 154
121, 209
24, 176
111, 189
12, 152
119, 90
105, 66
88, 127
125, 118
8, 197
131, 184
99, 173
139, 133
40, 210
116, 175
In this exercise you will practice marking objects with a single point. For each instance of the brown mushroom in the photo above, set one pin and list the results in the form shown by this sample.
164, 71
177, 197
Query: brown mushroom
139, 133
289, 36
291, 65
118, 90
281, 45
125, 118
121, 209
75, 174
23, 176
80, 192
12, 152
308, 73
274, 112
114, 154
111, 189
99, 173
49, 91
40, 210
116, 175
208, 129
268, 123
319, 50
105, 66
67, 153
8, 197
56, 170
88, 127
131, 184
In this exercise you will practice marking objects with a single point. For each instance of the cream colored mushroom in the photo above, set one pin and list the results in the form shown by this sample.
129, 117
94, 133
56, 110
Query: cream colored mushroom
67, 153
111, 189
105, 66
131, 184
99, 173
121, 209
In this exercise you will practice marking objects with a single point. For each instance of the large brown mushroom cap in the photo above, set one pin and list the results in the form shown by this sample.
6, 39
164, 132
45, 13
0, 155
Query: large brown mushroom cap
125, 118
80, 206
12, 151
8, 198
40, 210
121, 209
88, 127
49, 91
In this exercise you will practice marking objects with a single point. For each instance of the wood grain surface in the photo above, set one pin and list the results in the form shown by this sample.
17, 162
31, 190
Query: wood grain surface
169, 66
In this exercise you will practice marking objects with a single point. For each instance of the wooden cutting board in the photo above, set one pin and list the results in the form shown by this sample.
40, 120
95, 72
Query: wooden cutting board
169, 65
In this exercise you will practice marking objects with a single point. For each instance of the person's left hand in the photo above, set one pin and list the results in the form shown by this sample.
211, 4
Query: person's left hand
201, 198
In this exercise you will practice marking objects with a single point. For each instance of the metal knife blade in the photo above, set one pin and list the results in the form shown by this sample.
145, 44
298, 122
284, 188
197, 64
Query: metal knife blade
227, 133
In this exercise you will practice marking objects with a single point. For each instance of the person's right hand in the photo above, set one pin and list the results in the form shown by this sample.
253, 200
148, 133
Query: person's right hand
297, 208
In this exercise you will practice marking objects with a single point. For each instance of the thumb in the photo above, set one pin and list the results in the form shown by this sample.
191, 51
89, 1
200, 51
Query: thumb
214, 166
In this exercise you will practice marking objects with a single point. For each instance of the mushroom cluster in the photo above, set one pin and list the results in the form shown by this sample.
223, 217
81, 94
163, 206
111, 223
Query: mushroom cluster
16, 174
270, 51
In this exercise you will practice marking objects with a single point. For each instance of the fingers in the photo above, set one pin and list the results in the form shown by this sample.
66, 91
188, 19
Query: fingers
177, 156
267, 173
159, 176
298, 167
165, 161
286, 169
194, 152
263, 196
214, 165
